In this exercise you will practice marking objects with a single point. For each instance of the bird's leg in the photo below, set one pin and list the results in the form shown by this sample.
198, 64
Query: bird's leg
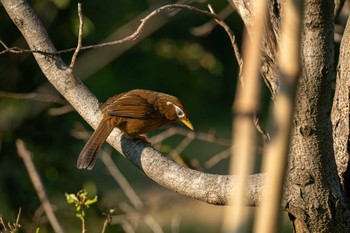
139, 138
142, 138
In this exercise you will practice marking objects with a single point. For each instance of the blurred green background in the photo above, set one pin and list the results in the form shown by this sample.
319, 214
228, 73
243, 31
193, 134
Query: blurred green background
169, 57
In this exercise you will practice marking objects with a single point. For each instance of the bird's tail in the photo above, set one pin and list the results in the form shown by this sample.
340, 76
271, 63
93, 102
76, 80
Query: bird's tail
88, 155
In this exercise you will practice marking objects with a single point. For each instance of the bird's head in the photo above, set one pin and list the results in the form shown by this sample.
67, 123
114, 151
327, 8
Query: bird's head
177, 112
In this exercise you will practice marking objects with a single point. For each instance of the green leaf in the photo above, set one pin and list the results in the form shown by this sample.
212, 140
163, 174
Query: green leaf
71, 198
90, 201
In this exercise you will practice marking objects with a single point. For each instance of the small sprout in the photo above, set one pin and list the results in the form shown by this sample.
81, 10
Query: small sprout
108, 220
81, 201
90, 201
71, 198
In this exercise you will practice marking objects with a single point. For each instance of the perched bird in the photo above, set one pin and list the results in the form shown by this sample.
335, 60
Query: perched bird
135, 112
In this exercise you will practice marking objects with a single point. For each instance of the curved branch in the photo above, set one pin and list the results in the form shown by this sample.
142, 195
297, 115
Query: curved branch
210, 188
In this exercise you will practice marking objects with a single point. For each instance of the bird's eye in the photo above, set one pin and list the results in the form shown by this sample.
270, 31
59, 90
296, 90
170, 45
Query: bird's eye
179, 112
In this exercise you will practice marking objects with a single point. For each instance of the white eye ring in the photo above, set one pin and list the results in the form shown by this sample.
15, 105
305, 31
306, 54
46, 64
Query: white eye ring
179, 112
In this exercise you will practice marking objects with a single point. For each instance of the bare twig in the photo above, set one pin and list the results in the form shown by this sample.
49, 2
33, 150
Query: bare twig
239, 59
37, 218
184, 143
13, 227
120, 179
175, 224
17, 225
21, 50
33, 96
127, 227
232, 37
80, 36
2, 223
207, 28
13, 49
207, 137
217, 158
39, 187
129, 191
262, 131
83, 229
61, 110
136, 33
3, 44
108, 219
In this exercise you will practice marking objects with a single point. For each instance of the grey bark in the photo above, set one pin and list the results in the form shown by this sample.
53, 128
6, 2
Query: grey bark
341, 114
314, 197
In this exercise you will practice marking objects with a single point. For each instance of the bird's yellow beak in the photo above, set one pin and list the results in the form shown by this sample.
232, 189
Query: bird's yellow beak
187, 123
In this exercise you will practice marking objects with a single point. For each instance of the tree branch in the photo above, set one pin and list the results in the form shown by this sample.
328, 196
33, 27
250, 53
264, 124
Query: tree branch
80, 37
213, 189
24, 154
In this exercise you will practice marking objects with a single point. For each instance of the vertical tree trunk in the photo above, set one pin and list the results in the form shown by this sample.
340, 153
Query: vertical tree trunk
341, 113
313, 195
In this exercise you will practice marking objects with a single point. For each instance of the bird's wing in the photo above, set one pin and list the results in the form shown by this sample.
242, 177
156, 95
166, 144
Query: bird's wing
131, 105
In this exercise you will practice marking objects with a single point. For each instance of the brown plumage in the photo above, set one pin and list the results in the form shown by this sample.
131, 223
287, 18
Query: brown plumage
135, 112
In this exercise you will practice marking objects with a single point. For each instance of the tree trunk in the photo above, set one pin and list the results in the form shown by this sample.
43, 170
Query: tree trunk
313, 195
341, 113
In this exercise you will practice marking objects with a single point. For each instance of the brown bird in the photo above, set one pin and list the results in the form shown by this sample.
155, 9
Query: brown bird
135, 112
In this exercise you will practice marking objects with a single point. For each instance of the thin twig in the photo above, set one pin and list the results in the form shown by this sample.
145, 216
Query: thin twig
207, 137
121, 180
38, 186
217, 158
83, 230
21, 50
17, 225
232, 37
129, 191
50, 98
2, 223
61, 110
184, 143
127, 227
3, 44
260, 129
208, 27
107, 221
222, 23
80, 36
138, 32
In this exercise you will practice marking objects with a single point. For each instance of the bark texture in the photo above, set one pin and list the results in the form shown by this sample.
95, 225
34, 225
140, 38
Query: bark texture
313, 195
341, 113
269, 70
